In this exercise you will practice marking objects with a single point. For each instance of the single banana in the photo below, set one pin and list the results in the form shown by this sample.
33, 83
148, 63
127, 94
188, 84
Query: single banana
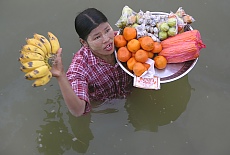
22, 52
37, 43
30, 56
55, 45
37, 73
45, 42
43, 80
32, 48
31, 65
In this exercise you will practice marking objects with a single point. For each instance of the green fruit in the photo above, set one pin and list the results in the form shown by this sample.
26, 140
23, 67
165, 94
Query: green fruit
164, 27
172, 31
172, 22
163, 35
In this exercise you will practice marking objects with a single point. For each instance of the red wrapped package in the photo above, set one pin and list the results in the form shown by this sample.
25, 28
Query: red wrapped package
182, 47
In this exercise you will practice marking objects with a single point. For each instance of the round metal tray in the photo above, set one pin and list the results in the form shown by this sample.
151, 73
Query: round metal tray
172, 72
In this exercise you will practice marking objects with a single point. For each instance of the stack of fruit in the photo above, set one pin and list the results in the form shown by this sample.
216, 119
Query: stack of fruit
36, 58
168, 28
158, 25
135, 52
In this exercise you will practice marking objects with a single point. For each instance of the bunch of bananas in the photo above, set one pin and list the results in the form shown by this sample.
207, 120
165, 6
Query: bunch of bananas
36, 58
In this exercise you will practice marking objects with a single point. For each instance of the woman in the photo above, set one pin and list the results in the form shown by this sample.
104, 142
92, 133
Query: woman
93, 73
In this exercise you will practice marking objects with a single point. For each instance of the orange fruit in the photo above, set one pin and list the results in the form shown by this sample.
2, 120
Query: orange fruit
157, 47
140, 39
139, 68
119, 41
123, 54
160, 62
141, 56
146, 65
133, 45
129, 33
131, 62
150, 54
147, 43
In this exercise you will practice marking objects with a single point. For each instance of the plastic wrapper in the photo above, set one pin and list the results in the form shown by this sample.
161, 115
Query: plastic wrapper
180, 12
188, 19
128, 17
183, 19
151, 71
147, 80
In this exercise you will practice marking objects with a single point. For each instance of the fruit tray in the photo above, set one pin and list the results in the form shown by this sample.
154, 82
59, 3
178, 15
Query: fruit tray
173, 71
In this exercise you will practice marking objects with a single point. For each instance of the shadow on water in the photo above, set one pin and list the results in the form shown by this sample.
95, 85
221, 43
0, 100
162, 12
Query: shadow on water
60, 134
148, 109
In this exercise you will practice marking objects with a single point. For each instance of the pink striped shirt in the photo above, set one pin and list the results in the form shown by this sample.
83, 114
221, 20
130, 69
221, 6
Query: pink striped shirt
92, 78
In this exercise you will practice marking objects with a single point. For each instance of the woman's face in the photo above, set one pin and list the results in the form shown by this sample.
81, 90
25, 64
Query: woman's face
101, 40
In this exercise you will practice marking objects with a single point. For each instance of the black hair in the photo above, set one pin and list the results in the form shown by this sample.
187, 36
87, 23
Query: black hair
88, 20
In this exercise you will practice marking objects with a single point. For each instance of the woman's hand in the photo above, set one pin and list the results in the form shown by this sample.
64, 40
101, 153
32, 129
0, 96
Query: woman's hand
57, 68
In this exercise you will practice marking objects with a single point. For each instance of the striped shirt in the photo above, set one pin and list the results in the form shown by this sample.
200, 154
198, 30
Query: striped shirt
92, 78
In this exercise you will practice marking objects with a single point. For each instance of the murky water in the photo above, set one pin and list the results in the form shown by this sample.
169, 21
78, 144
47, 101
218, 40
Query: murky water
189, 116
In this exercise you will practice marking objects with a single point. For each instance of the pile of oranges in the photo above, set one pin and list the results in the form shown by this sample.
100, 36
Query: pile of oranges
135, 52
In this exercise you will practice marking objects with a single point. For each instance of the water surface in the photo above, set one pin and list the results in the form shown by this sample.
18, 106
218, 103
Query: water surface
185, 117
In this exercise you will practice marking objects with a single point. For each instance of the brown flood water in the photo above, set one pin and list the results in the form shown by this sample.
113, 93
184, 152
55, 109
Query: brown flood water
185, 117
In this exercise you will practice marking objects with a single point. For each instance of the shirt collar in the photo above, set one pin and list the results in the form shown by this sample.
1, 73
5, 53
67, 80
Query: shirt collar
92, 60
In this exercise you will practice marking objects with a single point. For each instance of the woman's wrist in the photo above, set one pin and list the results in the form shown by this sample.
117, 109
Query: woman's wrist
61, 76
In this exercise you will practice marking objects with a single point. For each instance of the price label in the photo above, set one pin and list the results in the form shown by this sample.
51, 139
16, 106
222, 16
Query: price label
147, 82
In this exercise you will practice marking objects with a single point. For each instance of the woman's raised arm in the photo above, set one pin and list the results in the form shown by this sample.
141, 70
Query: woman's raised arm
75, 105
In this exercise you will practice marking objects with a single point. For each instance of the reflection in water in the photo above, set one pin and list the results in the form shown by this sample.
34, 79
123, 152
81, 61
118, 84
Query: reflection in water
106, 107
148, 109
58, 135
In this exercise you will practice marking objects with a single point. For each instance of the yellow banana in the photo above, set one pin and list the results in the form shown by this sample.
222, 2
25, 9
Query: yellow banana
22, 52
31, 65
45, 42
30, 56
32, 48
37, 73
43, 80
37, 43
55, 45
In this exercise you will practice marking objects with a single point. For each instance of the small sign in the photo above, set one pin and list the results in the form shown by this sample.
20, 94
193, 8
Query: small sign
147, 82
